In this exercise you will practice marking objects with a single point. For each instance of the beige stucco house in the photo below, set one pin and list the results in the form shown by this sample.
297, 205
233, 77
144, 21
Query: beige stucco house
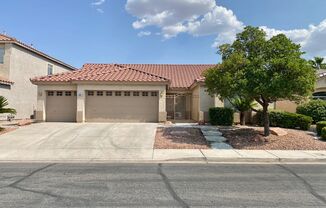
125, 93
18, 63
319, 93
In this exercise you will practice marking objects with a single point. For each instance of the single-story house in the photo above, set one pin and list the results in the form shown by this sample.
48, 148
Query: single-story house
125, 93
319, 93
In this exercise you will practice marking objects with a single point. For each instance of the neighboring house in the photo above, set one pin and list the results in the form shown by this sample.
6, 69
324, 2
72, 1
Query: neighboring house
319, 93
125, 93
18, 63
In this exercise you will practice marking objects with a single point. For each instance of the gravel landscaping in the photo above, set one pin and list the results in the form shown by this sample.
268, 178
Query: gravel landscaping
5, 130
179, 138
252, 138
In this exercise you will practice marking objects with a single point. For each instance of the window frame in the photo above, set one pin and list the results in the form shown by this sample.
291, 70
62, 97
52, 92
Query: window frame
50, 69
127, 93
90, 93
99, 93
118, 93
135, 94
2, 55
144, 94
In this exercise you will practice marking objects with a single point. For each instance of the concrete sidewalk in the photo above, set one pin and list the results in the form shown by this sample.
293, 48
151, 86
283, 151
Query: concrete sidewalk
210, 155
162, 155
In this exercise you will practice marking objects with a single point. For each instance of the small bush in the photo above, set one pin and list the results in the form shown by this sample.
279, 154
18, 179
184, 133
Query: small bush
323, 133
286, 120
319, 126
315, 109
221, 116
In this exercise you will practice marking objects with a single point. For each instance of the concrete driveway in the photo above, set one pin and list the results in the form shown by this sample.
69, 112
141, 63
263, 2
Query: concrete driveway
73, 141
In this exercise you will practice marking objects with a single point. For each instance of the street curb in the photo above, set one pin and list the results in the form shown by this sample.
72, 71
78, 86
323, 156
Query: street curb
181, 160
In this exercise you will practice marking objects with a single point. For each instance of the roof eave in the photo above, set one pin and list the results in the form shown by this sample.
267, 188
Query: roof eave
40, 53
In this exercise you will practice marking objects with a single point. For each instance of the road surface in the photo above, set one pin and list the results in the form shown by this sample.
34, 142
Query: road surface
162, 185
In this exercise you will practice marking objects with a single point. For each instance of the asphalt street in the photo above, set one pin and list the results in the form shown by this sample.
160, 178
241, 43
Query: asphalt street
162, 185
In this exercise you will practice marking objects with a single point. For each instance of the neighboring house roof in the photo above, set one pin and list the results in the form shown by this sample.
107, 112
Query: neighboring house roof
179, 75
5, 81
107, 73
7, 39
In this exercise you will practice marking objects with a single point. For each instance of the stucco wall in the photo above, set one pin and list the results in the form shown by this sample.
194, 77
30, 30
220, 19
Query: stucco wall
23, 66
195, 103
321, 84
4, 68
201, 102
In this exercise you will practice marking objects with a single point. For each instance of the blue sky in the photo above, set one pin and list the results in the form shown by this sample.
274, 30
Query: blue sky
156, 31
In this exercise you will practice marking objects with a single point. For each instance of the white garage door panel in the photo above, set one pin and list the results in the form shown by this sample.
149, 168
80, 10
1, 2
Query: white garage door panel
121, 108
61, 108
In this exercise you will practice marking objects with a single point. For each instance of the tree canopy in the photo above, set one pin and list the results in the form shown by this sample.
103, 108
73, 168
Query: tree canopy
262, 69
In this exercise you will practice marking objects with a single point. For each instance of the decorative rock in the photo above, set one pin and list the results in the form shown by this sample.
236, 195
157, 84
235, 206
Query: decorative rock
211, 133
216, 145
278, 131
217, 139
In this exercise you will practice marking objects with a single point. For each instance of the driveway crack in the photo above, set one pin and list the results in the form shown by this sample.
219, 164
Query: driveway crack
169, 187
308, 186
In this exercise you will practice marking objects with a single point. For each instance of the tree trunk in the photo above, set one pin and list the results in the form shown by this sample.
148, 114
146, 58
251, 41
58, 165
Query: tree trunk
242, 118
266, 119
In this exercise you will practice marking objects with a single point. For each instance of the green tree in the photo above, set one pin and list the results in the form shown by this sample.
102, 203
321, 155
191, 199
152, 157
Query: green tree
261, 69
3, 104
242, 105
318, 63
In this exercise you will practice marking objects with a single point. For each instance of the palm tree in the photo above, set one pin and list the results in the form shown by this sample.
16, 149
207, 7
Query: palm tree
242, 105
317, 63
3, 104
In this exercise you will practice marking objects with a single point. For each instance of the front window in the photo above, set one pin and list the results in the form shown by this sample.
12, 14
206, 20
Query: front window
319, 95
50, 69
2, 55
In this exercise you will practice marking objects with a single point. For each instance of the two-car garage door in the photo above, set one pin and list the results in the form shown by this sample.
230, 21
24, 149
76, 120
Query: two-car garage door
103, 106
121, 106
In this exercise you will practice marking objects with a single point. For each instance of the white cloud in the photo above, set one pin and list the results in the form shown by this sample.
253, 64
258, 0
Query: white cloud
100, 10
98, 2
144, 33
311, 39
205, 17
196, 17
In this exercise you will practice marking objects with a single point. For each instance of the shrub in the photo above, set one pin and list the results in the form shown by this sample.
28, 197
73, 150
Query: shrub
323, 133
221, 116
319, 126
315, 109
286, 120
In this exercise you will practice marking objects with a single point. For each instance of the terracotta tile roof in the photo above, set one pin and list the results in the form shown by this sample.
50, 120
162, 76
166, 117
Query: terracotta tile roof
5, 81
8, 39
105, 73
181, 75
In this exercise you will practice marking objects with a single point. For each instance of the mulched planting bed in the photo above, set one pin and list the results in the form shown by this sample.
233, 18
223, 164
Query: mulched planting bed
252, 138
179, 138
